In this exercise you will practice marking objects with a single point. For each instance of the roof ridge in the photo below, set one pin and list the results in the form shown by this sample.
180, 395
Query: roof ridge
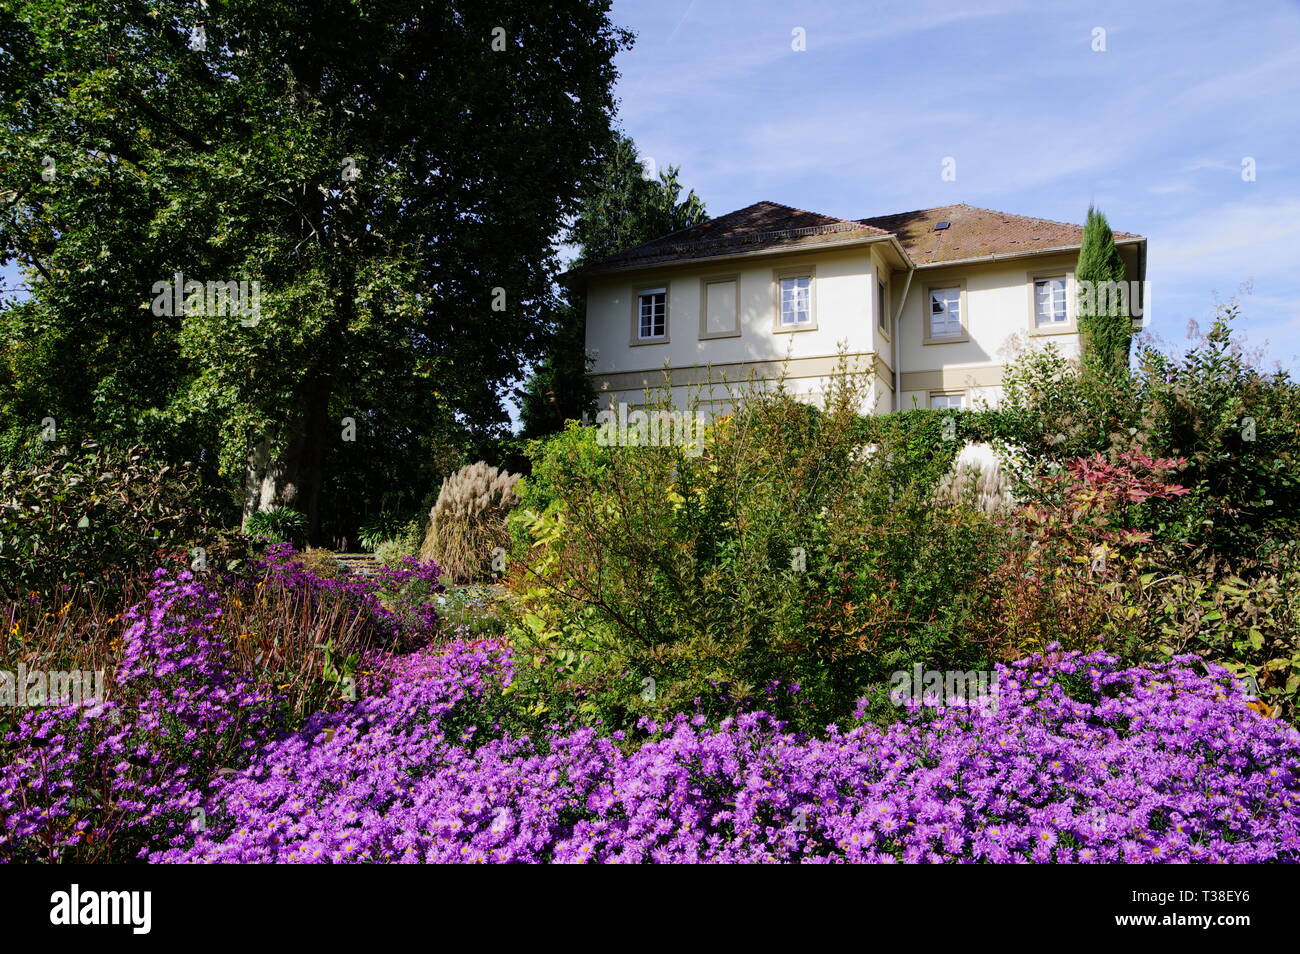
932, 208
667, 239
1032, 218
795, 208
769, 225
713, 218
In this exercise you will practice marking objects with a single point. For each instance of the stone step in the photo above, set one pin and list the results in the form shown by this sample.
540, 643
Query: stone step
362, 564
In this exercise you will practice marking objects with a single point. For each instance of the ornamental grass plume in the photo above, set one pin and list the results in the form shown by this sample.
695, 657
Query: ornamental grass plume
468, 522
976, 477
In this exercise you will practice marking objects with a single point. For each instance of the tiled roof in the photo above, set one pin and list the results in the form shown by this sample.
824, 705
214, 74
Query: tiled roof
976, 233
763, 225
971, 233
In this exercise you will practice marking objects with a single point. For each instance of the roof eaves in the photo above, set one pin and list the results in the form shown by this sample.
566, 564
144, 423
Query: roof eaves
766, 251
1024, 253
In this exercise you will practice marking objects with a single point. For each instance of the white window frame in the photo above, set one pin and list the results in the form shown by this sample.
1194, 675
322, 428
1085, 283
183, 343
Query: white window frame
779, 277
1067, 327
959, 395
963, 314
1058, 313
640, 293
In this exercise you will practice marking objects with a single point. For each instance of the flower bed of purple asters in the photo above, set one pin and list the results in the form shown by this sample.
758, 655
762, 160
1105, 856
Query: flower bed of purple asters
113, 778
397, 597
1082, 761
133, 770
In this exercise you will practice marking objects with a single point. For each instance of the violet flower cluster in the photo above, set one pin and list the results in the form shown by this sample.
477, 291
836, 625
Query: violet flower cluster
1083, 760
400, 598
85, 780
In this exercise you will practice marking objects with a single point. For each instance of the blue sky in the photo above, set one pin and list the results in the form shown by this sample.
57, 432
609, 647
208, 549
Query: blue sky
1154, 129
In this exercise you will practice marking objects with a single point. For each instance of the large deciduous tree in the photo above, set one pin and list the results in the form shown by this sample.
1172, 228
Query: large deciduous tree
392, 174
623, 205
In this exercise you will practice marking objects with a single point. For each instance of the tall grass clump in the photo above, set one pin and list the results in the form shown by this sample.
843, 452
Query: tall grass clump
468, 522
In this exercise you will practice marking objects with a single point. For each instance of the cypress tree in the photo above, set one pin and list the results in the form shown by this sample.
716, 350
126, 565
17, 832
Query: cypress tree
1105, 322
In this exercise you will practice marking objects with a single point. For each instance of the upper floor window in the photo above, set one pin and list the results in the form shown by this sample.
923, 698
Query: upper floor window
882, 306
1050, 302
796, 300
945, 313
720, 306
652, 313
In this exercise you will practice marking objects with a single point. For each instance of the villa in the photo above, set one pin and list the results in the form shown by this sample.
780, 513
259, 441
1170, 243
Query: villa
933, 303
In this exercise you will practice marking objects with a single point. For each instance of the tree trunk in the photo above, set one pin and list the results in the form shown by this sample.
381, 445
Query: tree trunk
286, 469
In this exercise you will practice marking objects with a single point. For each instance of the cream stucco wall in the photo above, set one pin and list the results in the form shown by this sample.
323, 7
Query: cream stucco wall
844, 313
997, 317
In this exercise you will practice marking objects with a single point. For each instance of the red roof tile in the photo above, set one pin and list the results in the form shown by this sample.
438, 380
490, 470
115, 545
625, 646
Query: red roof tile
763, 225
976, 233
971, 233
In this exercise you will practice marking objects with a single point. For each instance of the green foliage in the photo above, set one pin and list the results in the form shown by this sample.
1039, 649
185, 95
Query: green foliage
393, 552
235, 161
399, 527
1237, 429
922, 443
473, 612
621, 208
1105, 336
559, 389
1052, 412
277, 525
94, 513
320, 562
1246, 619
651, 580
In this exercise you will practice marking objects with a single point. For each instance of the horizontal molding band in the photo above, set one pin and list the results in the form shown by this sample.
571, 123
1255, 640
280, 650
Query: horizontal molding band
738, 372
951, 379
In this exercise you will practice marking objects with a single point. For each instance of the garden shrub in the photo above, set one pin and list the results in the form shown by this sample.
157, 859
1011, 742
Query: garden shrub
1236, 428
467, 526
788, 566
277, 525
322, 563
922, 443
1068, 552
1246, 619
94, 513
392, 526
